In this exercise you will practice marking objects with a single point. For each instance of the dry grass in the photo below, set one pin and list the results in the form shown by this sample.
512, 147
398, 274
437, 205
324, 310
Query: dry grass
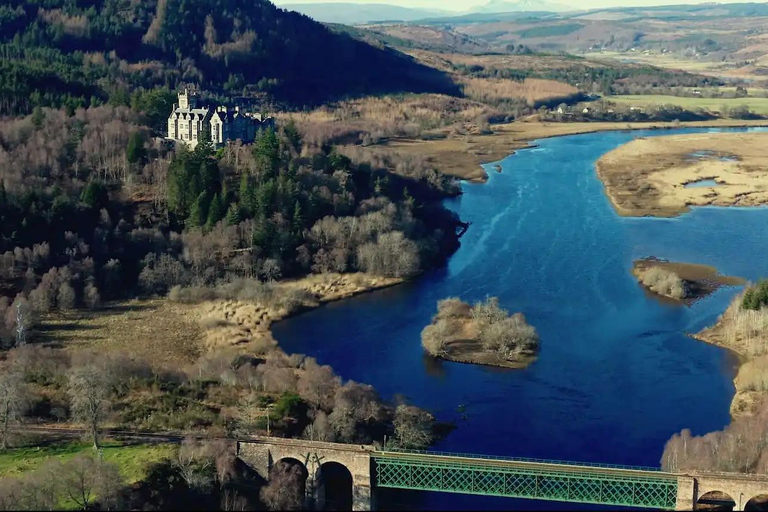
383, 117
746, 333
447, 61
175, 334
648, 176
462, 156
532, 91
155, 330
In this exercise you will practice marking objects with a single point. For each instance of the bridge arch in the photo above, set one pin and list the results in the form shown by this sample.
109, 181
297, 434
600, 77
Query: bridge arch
335, 485
757, 503
289, 475
715, 501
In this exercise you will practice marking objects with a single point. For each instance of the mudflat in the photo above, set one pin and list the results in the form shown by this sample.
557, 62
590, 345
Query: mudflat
699, 280
664, 176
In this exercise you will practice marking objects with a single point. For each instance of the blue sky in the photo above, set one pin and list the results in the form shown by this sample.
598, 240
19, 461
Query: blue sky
463, 5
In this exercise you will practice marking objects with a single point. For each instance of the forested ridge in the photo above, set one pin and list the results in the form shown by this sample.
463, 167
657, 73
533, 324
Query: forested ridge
76, 53
95, 210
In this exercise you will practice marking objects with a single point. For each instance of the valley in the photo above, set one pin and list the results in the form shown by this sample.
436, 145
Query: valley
226, 219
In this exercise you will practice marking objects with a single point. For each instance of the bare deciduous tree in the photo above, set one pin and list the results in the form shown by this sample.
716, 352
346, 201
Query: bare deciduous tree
12, 400
88, 390
195, 464
285, 490
413, 427
85, 479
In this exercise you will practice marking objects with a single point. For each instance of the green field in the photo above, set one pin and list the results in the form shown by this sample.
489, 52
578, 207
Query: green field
549, 31
132, 459
756, 105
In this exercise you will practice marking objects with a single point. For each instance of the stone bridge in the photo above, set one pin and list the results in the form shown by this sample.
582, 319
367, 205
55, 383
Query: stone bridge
319, 460
344, 477
728, 490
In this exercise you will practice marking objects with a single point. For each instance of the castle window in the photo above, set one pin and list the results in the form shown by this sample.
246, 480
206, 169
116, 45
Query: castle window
175, 128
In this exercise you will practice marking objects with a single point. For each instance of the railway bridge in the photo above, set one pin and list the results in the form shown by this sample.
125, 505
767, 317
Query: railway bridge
344, 476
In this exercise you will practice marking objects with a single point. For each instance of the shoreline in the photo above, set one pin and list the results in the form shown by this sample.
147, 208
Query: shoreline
493, 363
248, 324
464, 158
744, 401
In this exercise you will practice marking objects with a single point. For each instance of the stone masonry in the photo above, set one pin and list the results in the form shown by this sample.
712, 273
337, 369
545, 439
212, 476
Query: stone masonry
263, 453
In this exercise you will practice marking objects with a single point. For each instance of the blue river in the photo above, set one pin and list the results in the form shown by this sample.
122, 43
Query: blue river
617, 375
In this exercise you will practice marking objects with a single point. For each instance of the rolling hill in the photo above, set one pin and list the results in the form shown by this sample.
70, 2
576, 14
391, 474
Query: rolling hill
354, 14
73, 54
497, 6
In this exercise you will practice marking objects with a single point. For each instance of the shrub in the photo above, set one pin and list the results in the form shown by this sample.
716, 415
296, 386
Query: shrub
510, 337
435, 337
665, 283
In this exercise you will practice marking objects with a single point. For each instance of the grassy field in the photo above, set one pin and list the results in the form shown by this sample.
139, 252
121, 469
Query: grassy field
756, 105
132, 459
698, 66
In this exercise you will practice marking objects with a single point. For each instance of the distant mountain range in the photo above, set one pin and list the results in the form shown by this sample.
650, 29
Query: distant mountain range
494, 6
355, 14
352, 14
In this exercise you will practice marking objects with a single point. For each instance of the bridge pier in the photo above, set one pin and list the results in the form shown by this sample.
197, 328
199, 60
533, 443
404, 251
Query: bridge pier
262, 453
362, 497
686, 493
738, 487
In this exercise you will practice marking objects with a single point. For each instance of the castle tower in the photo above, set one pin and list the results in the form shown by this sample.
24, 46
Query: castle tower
184, 99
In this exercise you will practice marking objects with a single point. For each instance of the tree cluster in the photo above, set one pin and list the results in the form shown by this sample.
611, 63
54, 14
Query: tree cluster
78, 235
739, 448
75, 54
85, 481
756, 297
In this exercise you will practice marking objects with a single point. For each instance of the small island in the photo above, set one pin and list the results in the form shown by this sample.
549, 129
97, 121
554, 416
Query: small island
482, 334
680, 282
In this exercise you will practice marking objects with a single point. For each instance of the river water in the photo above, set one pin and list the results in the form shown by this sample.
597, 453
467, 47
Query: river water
616, 377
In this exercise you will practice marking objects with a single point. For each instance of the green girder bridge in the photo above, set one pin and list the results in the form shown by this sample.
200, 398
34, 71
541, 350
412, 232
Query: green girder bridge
525, 478
369, 468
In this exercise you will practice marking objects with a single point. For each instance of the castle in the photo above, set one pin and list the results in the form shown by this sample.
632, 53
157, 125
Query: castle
189, 120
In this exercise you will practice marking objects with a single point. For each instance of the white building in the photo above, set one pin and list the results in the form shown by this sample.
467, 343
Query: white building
189, 119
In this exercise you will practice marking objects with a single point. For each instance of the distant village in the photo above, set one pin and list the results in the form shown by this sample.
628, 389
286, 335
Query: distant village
190, 118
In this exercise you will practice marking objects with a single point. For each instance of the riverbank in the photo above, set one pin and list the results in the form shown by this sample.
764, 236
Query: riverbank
745, 333
665, 176
247, 323
696, 281
190, 329
462, 157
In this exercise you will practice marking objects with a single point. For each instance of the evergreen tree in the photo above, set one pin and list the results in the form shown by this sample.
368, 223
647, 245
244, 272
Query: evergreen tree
298, 220
234, 215
38, 117
135, 152
216, 211
292, 134
95, 195
198, 213
247, 194
266, 150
